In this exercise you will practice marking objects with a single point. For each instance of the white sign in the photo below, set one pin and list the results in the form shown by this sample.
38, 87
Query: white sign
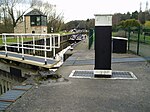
103, 20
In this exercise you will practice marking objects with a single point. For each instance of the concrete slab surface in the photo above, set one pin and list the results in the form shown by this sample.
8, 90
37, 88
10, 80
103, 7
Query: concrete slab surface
87, 95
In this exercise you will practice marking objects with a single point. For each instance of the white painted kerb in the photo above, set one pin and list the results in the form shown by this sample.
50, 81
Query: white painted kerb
103, 72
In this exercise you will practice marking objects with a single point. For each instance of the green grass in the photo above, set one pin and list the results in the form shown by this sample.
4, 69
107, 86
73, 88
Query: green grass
14, 40
134, 37
65, 33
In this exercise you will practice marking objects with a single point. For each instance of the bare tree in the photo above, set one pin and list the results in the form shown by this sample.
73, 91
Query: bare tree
15, 10
54, 20
44, 7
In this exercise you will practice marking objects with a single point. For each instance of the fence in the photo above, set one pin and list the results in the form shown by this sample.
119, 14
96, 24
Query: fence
139, 41
91, 37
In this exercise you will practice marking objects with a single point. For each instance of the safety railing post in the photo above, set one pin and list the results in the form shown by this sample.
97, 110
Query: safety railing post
18, 43
58, 40
45, 53
6, 53
50, 42
33, 44
138, 41
129, 31
53, 46
22, 47
3, 39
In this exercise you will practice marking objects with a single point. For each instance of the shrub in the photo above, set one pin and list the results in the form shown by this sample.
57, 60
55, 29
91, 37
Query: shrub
119, 34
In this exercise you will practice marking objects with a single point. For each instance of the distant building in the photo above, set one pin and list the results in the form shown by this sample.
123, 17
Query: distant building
34, 22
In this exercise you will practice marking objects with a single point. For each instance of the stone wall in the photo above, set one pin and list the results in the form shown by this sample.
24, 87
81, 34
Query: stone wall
19, 28
25, 27
7, 81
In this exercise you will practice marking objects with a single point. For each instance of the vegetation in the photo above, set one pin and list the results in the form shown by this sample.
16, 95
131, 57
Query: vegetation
11, 13
147, 24
11, 9
120, 33
129, 23
80, 24
14, 40
135, 23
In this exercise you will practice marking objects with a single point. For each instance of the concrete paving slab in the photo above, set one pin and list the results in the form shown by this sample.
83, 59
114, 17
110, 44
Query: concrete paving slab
86, 95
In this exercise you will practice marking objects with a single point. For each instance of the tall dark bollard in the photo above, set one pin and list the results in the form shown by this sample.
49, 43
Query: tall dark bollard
103, 30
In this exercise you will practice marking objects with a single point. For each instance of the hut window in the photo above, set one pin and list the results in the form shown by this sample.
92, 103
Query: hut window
35, 20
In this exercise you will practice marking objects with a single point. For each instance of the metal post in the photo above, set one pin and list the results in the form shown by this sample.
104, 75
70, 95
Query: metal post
138, 41
89, 39
53, 46
22, 47
94, 38
45, 50
129, 31
6, 53
58, 40
91, 34
144, 37
50, 42
33, 45
18, 43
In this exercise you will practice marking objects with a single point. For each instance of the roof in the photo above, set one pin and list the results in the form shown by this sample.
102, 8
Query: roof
35, 12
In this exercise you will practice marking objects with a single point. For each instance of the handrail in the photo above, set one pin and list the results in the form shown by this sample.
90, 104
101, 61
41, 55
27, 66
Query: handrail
50, 43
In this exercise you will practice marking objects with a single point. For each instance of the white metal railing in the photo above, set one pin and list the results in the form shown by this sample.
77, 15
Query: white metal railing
17, 41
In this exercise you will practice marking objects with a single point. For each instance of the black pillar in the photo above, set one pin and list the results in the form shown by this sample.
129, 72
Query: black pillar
103, 34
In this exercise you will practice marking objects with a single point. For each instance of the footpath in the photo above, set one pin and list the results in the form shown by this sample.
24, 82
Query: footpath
91, 95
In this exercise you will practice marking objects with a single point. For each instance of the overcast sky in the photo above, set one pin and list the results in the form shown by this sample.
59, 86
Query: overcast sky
83, 9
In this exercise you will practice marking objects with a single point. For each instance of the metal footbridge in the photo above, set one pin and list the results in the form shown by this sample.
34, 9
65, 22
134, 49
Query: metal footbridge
25, 47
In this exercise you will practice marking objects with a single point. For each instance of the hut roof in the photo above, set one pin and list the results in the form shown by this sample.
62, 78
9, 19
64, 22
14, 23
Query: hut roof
35, 12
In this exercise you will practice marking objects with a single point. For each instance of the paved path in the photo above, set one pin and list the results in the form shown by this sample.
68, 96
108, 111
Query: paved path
91, 95
74, 61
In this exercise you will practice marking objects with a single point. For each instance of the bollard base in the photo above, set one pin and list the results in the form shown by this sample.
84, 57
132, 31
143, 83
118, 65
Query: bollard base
103, 73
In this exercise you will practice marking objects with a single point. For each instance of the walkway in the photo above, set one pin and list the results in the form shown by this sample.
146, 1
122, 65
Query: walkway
73, 61
91, 95
29, 59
